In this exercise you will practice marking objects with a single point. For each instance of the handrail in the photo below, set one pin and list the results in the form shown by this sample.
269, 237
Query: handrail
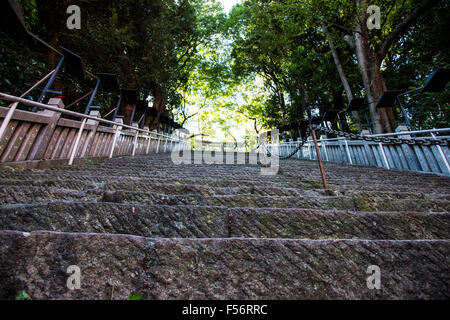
7, 97
410, 132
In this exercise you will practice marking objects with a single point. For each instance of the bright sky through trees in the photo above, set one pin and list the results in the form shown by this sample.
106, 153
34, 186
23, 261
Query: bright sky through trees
228, 4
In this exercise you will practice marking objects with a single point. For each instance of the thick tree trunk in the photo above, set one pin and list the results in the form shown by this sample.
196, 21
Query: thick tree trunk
382, 119
160, 103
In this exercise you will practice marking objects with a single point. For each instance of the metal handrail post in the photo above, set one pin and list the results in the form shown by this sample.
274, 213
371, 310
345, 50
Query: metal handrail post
50, 82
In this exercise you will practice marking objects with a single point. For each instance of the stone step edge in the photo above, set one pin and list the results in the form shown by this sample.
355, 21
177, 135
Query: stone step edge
202, 207
231, 239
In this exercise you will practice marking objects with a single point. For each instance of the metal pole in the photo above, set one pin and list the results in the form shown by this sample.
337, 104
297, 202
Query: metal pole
50, 82
405, 115
75, 147
116, 133
86, 110
319, 158
116, 110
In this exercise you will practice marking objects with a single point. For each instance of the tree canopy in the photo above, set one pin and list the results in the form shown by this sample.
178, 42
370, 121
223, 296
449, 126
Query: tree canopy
263, 65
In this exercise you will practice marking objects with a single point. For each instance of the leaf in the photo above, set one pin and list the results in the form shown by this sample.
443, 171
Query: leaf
23, 295
135, 296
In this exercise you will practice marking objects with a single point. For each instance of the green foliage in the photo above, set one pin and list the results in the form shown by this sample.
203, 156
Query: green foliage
282, 42
135, 296
23, 295
260, 67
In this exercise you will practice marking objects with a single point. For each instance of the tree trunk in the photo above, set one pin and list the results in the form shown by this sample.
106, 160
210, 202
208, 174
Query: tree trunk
159, 104
342, 75
383, 120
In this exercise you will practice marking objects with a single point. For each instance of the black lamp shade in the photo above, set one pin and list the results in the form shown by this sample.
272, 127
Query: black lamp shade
11, 21
109, 82
437, 81
73, 64
388, 98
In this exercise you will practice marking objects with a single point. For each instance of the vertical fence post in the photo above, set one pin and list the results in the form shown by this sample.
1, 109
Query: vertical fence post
148, 143
157, 146
135, 124
324, 148
77, 141
348, 152
116, 134
441, 153
384, 156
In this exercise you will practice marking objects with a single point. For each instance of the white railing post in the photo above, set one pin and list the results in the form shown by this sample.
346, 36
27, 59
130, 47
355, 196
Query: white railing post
384, 156
77, 141
165, 144
135, 124
348, 152
148, 142
157, 146
441, 152
324, 148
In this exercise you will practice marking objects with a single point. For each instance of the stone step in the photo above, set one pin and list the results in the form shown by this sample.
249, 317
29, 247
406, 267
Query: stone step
436, 185
178, 188
116, 266
311, 199
150, 221
241, 172
220, 222
134, 182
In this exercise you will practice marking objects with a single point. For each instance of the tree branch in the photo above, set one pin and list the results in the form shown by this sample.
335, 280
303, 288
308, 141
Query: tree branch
403, 26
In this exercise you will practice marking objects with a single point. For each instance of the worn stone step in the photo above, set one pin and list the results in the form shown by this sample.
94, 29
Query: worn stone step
116, 266
221, 222
179, 188
237, 172
311, 199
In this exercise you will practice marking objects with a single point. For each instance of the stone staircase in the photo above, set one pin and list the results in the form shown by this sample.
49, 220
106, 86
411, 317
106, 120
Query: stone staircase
145, 225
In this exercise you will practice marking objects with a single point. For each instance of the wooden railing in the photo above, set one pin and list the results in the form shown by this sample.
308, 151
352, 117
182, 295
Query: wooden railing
45, 135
